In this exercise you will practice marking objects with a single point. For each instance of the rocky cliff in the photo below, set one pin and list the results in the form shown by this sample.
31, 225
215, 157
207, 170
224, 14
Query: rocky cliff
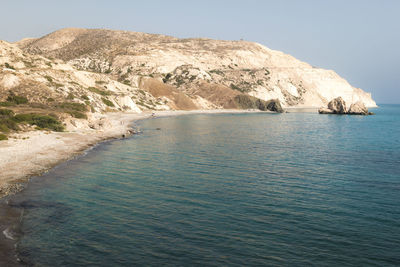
194, 73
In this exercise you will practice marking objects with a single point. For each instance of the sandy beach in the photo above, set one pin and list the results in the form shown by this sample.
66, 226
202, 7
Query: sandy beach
33, 153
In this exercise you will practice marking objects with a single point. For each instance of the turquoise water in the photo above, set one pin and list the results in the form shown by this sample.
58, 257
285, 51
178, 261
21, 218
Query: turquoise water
224, 190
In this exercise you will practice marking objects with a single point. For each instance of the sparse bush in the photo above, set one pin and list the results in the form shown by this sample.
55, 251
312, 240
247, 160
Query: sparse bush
50, 99
235, 87
17, 99
85, 97
6, 104
6, 112
42, 121
3, 137
49, 78
8, 66
219, 72
77, 114
7, 124
127, 82
70, 96
107, 102
73, 106
98, 91
166, 78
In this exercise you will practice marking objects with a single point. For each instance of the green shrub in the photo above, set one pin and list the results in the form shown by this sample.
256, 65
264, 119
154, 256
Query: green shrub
72, 106
98, 91
235, 87
85, 97
6, 104
49, 78
8, 66
42, 121
107, 102
166, 78
3, 137
17, 99
4, 128
70, 96
127, 82
77, 114
50, 99
6, 112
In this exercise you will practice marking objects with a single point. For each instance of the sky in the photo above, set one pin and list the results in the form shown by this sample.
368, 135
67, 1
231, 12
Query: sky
359, 39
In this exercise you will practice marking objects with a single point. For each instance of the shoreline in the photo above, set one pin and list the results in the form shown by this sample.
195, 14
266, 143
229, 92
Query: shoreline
34, 153
19, 162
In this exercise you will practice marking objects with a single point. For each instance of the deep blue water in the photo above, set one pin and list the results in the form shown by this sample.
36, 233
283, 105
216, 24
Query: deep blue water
225, 190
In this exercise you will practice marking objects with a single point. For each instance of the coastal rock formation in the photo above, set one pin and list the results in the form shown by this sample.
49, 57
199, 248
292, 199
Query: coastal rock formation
201, 73
358, 108
70, 77
338, 106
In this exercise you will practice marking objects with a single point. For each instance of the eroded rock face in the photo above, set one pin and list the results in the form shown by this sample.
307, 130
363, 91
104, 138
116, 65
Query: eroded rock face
358, 108
338, 106
244, 101
185, 65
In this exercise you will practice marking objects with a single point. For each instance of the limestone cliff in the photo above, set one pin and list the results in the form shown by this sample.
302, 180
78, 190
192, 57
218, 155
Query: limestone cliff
196, 73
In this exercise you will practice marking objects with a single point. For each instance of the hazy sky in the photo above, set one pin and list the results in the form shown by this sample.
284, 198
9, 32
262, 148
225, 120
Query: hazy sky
360, 40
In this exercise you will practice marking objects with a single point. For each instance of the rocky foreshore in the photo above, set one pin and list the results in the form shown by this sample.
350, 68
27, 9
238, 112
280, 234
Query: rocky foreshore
338, 106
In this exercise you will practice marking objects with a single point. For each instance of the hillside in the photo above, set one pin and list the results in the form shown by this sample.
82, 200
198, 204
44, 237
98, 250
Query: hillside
211, 73
66, 80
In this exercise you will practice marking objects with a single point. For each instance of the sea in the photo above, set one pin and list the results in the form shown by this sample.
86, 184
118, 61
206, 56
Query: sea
252, 189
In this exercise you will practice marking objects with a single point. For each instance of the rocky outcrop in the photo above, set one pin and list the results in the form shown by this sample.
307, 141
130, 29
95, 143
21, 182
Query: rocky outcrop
358, 108
250, 102
338, 106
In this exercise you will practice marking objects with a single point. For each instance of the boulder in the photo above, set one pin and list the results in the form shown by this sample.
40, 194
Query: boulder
338, 106
325, 111
358, 108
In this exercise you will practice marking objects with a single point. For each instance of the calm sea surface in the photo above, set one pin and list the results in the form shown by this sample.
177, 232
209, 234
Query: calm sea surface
224, 190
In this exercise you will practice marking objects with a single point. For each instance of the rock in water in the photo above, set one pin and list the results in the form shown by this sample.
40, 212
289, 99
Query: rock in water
325, 111
338, 106
358, 108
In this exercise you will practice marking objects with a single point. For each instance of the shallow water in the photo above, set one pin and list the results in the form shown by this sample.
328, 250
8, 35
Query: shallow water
228, 189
